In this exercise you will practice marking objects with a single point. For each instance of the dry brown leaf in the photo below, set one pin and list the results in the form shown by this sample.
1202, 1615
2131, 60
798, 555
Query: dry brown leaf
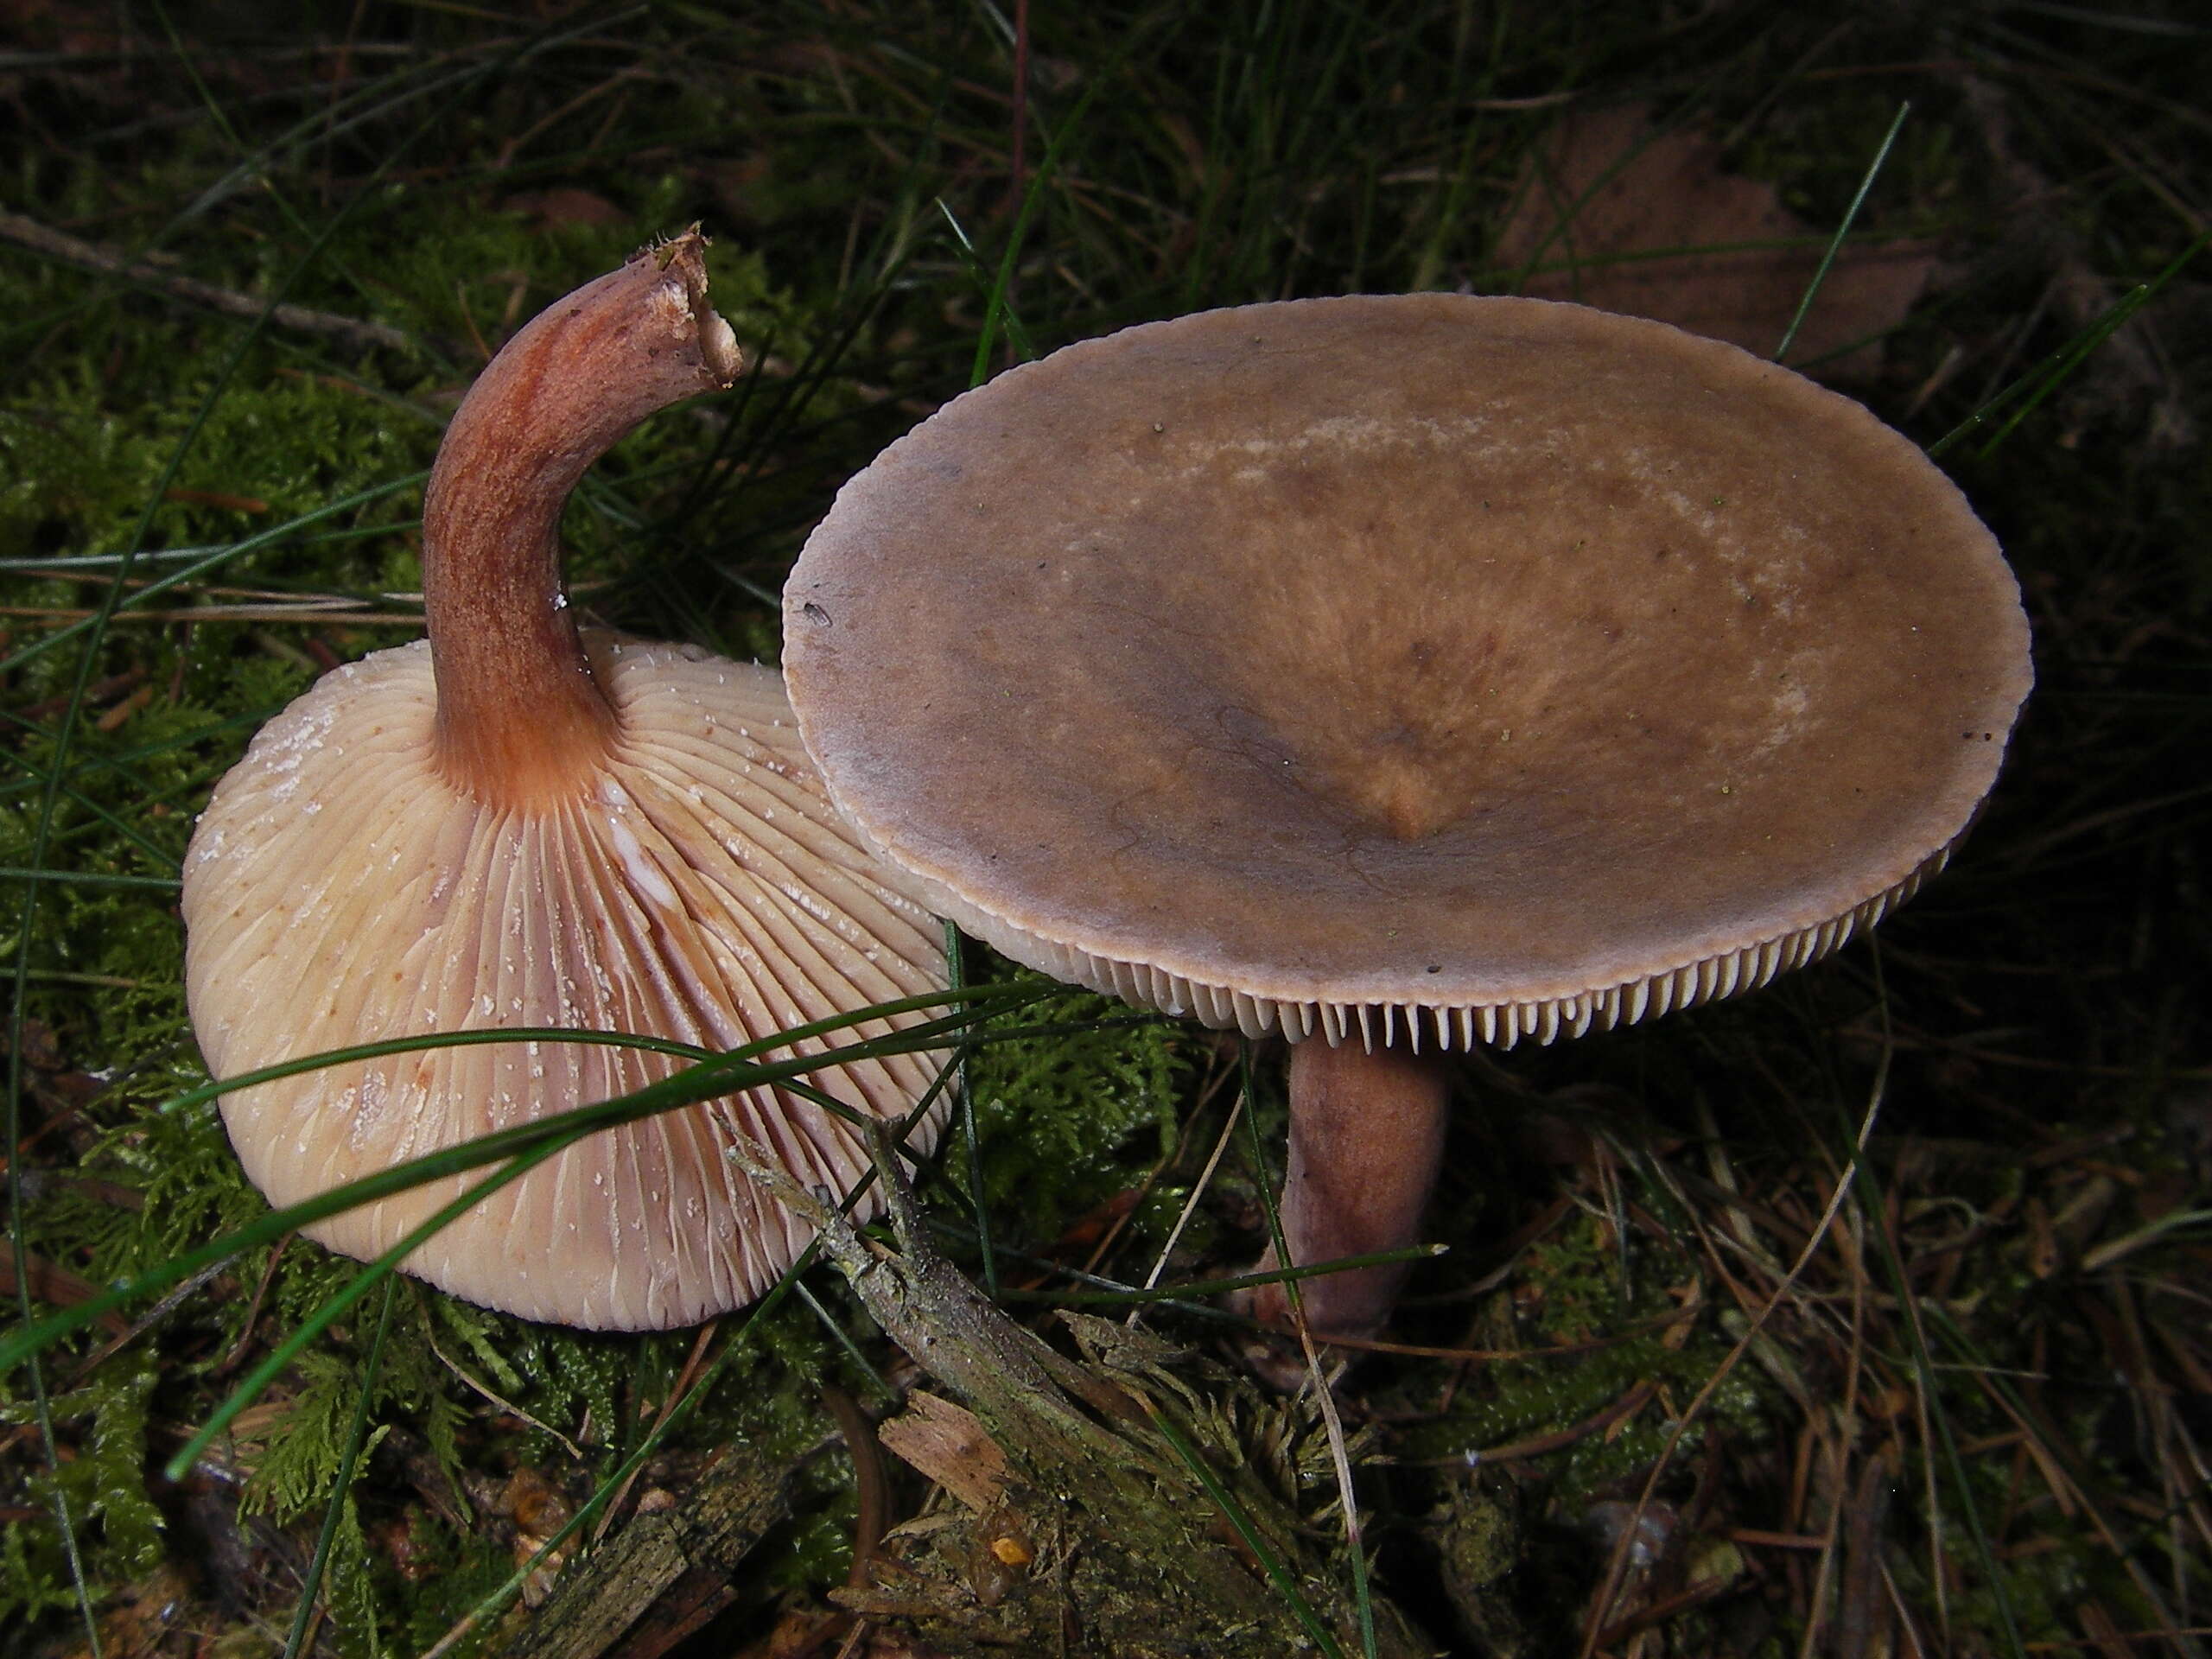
49, 1281
946, 1443
566, 204
804, 1633
1614, 215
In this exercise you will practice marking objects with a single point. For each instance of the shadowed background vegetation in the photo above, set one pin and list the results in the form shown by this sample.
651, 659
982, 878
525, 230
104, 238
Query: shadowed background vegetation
1681, 1385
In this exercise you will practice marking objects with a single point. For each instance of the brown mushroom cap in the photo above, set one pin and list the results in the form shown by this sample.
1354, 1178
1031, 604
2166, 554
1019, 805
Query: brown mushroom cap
339, 891
1505, 666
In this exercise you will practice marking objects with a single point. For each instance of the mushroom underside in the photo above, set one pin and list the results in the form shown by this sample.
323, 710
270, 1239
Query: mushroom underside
339, 892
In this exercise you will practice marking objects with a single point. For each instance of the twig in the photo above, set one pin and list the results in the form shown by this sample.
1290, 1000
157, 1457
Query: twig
1860, 1601
108, 262
505, 1405
1152, 1179
664, 1574
874, 1518
1324, 1395
305, 612
1627, 1406
676, 1393
1198, 1190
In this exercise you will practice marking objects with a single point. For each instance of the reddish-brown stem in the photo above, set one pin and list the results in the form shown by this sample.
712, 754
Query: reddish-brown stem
1366, 1133
520, 719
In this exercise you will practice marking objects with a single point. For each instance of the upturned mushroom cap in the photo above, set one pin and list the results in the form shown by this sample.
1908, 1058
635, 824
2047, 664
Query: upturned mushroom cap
512, 825
339, 891
1431, 667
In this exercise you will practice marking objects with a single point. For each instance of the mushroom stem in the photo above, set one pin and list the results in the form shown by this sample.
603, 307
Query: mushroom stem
520, 719
1366, 1134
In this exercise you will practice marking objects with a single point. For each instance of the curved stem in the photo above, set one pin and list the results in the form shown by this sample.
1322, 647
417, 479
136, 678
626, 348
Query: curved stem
520, 718
1366, 1134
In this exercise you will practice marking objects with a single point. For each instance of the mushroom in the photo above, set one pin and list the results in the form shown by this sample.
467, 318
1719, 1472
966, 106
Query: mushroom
1399, 674
517, 824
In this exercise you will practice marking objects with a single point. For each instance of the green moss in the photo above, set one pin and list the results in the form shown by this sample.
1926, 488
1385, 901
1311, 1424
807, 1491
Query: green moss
1060, 1118
103, 1486
445, 1574
1576, 1289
